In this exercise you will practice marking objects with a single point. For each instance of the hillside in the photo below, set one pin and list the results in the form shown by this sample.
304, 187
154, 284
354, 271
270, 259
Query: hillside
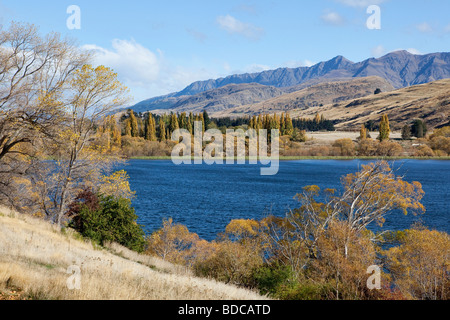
314, 96
400, 68
430, 102
35, 259
226, 97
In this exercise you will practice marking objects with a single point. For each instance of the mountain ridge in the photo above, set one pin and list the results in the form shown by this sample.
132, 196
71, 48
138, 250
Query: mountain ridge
400, 68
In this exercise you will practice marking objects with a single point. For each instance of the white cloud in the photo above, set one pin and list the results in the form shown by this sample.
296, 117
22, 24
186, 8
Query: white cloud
146, 73
413, 51
378, 51
410, 50
360, 3
234, 26
255, 68
333, 18
424, 27
299, 63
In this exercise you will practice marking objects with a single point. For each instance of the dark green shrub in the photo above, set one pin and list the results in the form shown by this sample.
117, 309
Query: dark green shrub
104, 219
269, 278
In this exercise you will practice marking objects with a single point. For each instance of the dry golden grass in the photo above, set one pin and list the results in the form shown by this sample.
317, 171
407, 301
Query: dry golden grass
35, 258
429, 102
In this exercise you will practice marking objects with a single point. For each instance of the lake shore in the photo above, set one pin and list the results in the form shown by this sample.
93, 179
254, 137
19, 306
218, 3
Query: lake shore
293, 158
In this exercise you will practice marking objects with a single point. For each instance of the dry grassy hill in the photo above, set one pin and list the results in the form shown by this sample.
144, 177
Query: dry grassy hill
35, 259
430, 102
312, 97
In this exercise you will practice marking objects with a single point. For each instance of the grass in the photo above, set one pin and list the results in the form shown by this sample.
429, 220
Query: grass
35, 257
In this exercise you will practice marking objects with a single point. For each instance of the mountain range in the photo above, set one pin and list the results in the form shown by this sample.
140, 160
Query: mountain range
400, 69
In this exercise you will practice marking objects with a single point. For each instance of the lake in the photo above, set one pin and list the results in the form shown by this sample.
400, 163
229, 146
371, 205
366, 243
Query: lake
206, 198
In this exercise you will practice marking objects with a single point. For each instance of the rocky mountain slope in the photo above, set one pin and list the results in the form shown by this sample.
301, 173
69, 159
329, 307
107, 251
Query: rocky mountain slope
430, 102
400, 69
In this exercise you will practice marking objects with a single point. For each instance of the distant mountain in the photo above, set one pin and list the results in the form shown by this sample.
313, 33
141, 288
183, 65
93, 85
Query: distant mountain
400, 69
430, 102
313, 96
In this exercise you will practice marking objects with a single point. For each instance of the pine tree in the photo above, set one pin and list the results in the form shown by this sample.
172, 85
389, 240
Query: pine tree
384, 128
173, 124
206, 119
406, 132
282, 125
202, 119
182, 120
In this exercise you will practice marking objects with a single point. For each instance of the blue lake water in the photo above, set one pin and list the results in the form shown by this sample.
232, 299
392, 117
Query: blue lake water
206, 198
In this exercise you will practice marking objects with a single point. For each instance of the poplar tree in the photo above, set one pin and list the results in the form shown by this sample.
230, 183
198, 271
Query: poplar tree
384, 128
150, 132
133, 124
128, 127
363, 132
162, 130
289, 125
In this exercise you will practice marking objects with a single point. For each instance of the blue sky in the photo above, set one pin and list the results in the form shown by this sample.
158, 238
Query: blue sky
158, 47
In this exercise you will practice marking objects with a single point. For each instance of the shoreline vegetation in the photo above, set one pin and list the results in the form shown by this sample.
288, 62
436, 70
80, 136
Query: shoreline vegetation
294, 158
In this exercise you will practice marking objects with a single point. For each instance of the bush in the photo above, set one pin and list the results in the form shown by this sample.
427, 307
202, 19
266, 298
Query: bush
346, 147
269, 278
424, 151
105, 219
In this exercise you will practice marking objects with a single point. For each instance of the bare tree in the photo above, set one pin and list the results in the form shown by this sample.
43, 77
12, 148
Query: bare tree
34, 73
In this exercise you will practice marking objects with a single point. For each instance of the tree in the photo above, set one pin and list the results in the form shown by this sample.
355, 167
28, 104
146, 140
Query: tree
172, 242
206, 119
133, 124
419, 128
384, 128
106, 219
289, 125
377, 91
95, 92
162, 130
150, 128
406, 132
363, 133
173, 124
34, 74
420, 265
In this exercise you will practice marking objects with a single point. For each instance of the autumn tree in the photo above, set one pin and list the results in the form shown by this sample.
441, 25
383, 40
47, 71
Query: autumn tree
94, 93
34, 73
420, 264
363, 132
384, 128
162, 130
150, 128
171, 242
133, 124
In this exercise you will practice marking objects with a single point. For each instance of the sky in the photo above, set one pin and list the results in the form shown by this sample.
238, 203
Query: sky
159, 47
